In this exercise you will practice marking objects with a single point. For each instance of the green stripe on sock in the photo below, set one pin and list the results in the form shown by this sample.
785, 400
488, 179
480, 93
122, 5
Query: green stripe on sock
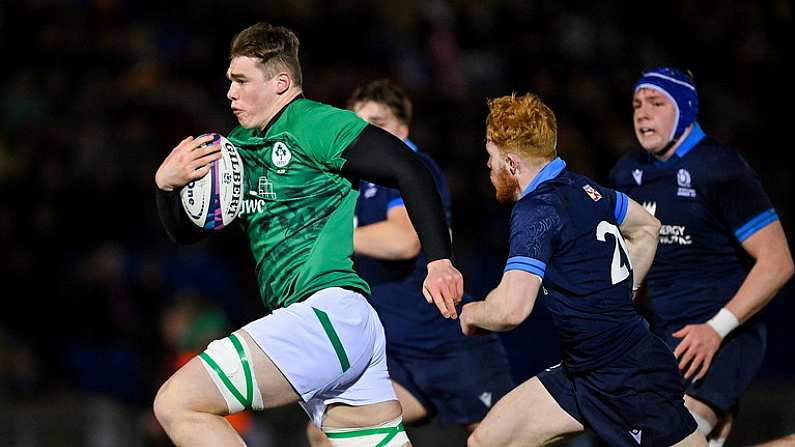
390, 433
335, 340
248, 398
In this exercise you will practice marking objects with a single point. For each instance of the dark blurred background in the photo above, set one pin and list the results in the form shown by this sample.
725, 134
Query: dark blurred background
98, 307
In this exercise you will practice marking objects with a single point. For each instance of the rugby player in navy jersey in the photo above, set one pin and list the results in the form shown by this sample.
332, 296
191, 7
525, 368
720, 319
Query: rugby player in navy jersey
583, 247
436, 370
723, 254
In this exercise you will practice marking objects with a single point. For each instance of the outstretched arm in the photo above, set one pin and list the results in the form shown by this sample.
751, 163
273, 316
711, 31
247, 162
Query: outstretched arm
381, 158
505, 307
640, 231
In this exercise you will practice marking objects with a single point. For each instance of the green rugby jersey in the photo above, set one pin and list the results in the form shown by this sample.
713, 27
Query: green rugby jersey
298, 209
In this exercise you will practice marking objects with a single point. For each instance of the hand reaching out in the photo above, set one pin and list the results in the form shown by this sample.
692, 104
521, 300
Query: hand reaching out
444, 286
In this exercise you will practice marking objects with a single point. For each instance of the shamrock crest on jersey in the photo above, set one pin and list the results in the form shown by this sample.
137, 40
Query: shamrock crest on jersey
280, 155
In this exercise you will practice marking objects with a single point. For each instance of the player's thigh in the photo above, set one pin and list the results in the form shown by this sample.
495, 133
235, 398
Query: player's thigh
275, 388
526, 416
190, 388
231, 375
413, 410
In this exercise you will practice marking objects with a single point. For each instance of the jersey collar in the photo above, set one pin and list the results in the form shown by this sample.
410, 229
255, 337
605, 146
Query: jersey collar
695, 137
410, 144
548, 172
278, 115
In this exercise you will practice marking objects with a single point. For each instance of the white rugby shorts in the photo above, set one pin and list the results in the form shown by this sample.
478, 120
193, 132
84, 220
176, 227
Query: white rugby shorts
330, 347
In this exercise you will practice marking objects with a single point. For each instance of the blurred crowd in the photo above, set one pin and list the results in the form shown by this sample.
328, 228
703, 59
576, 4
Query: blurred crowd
95, 93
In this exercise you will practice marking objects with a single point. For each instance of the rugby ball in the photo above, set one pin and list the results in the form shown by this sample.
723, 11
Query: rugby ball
215, 200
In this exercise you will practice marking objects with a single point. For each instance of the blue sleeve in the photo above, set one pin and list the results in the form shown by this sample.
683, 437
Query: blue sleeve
755, 224
740, 197
534, 230
622, 205
393, 199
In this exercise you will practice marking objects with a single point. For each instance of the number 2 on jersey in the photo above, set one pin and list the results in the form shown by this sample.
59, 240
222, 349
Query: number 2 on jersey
618, 271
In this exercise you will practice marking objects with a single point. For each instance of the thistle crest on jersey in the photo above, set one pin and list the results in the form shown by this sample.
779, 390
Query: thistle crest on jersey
214, 201
683, 181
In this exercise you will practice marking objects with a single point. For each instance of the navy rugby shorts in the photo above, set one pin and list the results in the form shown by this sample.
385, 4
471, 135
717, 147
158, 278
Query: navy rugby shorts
733, 368
460, 384
635, 400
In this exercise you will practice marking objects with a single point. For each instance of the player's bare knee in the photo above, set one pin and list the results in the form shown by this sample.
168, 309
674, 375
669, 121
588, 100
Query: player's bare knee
165, 405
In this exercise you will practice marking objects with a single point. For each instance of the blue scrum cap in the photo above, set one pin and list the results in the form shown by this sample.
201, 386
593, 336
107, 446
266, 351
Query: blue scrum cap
679, 88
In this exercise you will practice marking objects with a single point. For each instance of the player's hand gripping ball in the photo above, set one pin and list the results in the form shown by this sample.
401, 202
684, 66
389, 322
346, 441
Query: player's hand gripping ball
215, 200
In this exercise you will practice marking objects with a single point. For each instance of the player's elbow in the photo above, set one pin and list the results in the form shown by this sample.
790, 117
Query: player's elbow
779, 263
786, 269
650, 230
653, 227
656, 225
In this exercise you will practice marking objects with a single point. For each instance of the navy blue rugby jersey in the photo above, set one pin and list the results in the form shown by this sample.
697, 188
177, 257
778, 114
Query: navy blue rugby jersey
565, 229
709, 201
396, 286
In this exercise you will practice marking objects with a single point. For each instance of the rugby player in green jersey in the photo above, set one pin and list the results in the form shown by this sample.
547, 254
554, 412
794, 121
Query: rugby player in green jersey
321, 344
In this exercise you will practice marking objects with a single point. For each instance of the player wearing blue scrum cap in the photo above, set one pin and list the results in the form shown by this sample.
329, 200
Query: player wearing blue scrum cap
716, 222
681, 92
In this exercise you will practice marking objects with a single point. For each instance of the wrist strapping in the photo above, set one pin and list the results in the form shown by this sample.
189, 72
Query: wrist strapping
724, 322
